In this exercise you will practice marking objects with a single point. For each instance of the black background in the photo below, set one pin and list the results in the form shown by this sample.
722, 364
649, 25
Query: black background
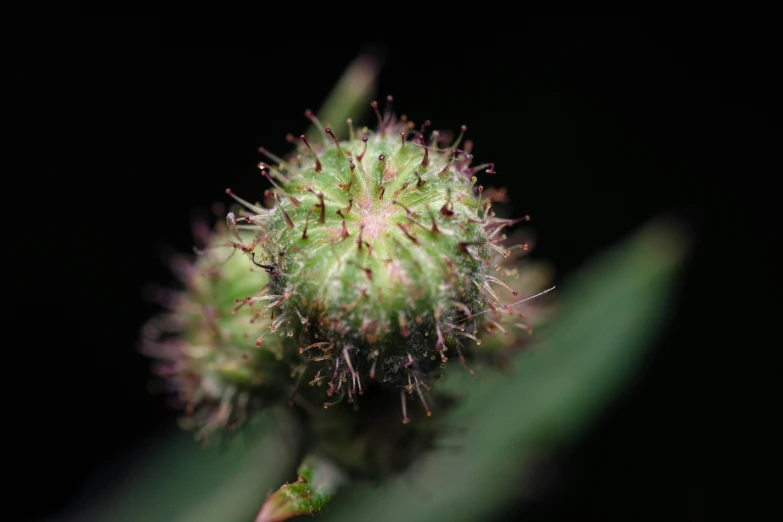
595, 126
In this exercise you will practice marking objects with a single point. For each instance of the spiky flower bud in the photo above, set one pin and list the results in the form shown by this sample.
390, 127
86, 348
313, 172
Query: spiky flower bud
370, 263
203, 345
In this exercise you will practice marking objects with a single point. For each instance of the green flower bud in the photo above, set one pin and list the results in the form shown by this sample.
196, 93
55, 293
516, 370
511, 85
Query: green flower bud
374, 259
205, 345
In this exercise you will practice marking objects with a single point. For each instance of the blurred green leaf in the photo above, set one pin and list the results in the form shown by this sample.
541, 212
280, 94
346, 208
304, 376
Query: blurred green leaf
317, 483
609, 313
349, 98
179, 481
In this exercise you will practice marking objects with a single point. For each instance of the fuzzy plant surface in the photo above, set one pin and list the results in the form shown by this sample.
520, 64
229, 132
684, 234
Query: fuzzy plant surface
379, 252
371, 261
374, 258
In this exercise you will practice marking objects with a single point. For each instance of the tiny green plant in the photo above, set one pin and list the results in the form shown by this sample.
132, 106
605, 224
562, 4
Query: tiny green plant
370, 263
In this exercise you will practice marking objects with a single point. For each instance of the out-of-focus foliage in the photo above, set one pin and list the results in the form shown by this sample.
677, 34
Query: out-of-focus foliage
176, 480
608, 314
350, 96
